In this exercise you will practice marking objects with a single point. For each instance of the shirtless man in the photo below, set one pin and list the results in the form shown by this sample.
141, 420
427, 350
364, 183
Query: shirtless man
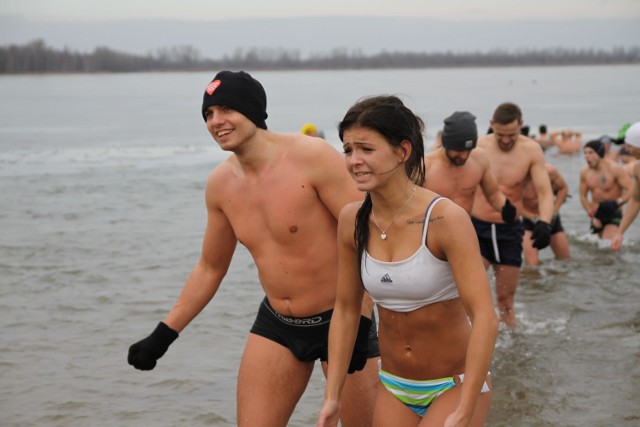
279, 195
632, 139
559, 242
631, 211
455, 170
515, 160
632, 143
604, 188
567, 141
627, 160
544, 138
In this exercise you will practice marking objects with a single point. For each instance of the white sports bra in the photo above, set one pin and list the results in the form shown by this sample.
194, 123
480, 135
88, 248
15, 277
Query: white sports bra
407, 285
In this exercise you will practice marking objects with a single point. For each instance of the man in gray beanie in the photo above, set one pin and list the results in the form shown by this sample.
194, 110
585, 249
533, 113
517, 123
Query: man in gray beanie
455, 170
279, 195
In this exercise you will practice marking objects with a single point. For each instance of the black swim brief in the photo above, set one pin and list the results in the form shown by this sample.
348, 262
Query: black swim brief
615, 219
500, 243
306, 337
556, 224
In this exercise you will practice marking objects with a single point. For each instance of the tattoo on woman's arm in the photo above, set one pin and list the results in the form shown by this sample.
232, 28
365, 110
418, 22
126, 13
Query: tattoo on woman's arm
421, 221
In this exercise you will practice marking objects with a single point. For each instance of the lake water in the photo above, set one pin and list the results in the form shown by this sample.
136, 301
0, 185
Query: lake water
102, 213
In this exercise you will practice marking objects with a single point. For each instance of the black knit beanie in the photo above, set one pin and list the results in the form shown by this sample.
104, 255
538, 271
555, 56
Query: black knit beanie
460, 132
596, 146
239, 91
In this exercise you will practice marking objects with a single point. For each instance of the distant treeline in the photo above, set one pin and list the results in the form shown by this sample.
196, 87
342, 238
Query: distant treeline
37, 57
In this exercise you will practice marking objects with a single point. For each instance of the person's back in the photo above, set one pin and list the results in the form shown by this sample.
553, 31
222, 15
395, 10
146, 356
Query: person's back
567, 141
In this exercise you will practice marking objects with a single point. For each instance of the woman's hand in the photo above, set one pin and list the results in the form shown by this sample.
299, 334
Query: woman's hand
330, 414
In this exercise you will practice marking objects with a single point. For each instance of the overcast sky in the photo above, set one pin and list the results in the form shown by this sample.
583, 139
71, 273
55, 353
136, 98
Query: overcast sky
92, 10
216, 28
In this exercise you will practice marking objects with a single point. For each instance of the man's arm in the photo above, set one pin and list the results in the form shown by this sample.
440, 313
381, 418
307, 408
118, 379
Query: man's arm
584, 191
560, 184
553, 136
577, 136
489, 184
631, 211
217, 250
624, 181
542, 184
331, 180
218, 246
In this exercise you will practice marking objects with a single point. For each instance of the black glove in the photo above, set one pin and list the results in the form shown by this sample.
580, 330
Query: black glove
508, 212
361, 347
541, 235
606, 209
144, 354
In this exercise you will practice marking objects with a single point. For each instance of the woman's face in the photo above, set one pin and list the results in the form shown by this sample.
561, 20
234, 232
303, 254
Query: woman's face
369, 158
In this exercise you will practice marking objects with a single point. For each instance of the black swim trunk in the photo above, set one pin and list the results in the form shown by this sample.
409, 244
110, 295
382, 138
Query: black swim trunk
500, 243
615, 219
556, 224
307, 337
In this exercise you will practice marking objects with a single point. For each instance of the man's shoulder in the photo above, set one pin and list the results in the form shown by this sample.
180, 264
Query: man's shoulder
585, 170
435, 156
529, 143
305, 150
553, 172
479, 155
223, 171
612, 164
530, 149
486, 140
432, 154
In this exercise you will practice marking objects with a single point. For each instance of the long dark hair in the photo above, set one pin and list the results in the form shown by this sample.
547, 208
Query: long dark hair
387, 115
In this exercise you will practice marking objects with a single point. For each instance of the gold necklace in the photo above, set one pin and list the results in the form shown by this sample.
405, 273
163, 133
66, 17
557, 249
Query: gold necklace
383, 233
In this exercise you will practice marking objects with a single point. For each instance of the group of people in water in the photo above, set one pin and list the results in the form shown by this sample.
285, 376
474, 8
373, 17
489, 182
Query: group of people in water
606, 180
385, 225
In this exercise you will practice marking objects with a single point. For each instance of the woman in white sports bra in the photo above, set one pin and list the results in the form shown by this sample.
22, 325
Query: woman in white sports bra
417, 255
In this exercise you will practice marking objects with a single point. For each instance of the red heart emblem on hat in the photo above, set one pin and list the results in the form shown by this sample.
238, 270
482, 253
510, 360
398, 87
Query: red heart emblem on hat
213, 86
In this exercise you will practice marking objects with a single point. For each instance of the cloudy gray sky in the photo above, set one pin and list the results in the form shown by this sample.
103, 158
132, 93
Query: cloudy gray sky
243, 9
216, 28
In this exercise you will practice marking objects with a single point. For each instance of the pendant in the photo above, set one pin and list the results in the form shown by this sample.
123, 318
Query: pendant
383, 236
